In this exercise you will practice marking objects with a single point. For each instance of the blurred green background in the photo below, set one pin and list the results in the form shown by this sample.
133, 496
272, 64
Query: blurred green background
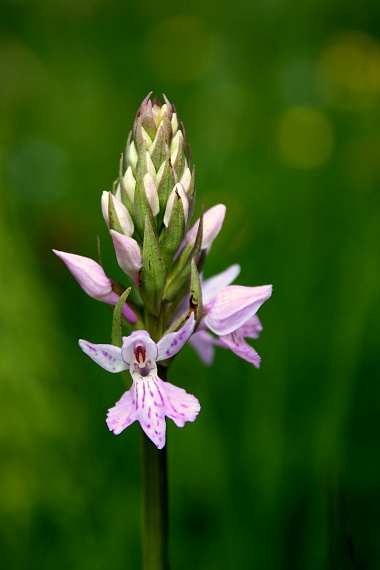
281, 104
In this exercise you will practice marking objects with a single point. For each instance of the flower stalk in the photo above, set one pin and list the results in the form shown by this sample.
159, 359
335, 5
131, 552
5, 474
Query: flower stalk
162, 254
154, 502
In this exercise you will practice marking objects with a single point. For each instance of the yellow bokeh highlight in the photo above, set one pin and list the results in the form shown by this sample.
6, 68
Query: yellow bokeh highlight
305, 137
352, 63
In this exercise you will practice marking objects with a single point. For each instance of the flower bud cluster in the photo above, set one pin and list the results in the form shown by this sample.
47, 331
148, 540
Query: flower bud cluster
149, 211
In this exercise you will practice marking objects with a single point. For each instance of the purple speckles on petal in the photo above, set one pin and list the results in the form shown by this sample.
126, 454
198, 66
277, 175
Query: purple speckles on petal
107, 356
150, 399
148, 394
172, 343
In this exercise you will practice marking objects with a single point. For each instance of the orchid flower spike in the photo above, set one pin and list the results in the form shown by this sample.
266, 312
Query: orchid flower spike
91, 277
149, 399
229, 312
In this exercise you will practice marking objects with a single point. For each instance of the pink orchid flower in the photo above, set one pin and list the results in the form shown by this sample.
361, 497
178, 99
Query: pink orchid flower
91, 277
149, 399
229, 312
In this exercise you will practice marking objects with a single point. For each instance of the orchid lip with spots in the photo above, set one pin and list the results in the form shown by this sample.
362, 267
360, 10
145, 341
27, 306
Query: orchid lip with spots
149, 399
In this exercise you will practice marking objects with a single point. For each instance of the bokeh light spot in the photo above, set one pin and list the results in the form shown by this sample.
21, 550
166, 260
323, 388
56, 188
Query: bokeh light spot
352, 62
305, 137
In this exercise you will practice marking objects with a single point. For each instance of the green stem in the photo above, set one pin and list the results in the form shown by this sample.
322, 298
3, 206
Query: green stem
154, 503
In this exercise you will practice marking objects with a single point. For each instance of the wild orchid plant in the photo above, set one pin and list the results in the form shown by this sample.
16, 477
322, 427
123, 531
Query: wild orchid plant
148, 215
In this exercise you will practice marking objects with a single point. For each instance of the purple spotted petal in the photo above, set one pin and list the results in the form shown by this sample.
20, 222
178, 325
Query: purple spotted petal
149, 400
124, 413
252, 328
211, 286
180, 406
203, 342
172, 343
233, 306
107, 356
237, 344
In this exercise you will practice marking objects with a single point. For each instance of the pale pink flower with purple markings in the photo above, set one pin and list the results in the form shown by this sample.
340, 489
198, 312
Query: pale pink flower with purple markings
150, 399
230, 312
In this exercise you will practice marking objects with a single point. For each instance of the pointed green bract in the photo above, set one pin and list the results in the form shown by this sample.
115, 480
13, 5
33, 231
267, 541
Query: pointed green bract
141, 205
117, 333
163, 138
191, 195
141, 161
195, 293
179, 279
153, 274
174, 233
165, 188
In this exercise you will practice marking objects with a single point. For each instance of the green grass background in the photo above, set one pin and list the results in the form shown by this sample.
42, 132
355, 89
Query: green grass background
281, 104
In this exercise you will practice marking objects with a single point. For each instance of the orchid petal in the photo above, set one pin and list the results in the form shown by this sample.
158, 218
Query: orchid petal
89, 274
203, 343
91, 277
233, 306
124, 413
149, 400
214, 284
212, 223
180, 406
252, 328
107, 356
239, 346
172, 343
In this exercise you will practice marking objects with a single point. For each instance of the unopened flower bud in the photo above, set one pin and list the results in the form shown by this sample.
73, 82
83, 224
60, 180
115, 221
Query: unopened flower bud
128, 255
212, 223
129, 184
91, 277
159, 174
186, 179
146, 138
180, 191
151, 193
174, 123
159, 112
132, 155
177, 143
122, 214
150, 166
